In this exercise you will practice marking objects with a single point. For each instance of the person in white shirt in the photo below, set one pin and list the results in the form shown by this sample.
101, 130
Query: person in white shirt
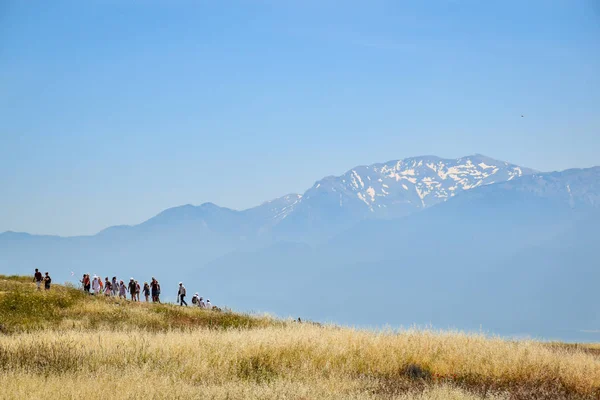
208, 304
181, 295
201, 303
96, 285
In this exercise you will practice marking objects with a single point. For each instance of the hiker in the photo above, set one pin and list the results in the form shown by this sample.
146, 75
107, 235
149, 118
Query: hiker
137, 290
132, 289
201, 303
158, 292
146, 291
154, 289
115, 286
195, 300
37, 278
208, 304
181, 295
86, 283
107, 287
96, 285
47, 282
122, 290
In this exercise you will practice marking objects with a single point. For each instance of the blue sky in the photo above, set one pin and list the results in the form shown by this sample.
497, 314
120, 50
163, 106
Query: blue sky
113, 110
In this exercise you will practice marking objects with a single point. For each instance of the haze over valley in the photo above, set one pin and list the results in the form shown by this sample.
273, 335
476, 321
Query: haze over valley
470, 243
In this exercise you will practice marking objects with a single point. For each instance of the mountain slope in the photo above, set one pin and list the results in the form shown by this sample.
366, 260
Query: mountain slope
485, 258
188, 237
389, 190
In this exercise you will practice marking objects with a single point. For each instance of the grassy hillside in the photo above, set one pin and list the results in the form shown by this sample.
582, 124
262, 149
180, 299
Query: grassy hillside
58, 344
23, 309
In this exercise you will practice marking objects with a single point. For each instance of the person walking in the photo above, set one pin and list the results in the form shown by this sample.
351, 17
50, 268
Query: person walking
181, 294
38, 278
137, 291
122, 290
208, 304
201, 303
131, 288
107, 287
96, 285
146, 291
154, 289
86, 283
47, 282
115, 286
158, 292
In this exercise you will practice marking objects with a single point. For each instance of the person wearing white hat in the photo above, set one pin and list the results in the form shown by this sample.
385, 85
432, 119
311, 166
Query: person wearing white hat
132, 288
181, 294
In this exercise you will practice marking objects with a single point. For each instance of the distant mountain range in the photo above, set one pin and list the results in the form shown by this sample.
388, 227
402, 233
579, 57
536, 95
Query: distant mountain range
389, 190
420, 240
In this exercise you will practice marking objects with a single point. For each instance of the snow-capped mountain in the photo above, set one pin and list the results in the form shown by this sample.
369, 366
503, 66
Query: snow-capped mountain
516, 255
398, 188
478, 228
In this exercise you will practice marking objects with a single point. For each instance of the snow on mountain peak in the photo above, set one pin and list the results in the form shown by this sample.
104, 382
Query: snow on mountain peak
416, 182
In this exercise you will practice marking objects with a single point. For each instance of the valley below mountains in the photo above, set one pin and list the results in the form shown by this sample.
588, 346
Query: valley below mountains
470, 243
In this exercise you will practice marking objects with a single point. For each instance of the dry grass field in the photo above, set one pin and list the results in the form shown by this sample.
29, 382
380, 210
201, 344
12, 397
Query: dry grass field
65, 345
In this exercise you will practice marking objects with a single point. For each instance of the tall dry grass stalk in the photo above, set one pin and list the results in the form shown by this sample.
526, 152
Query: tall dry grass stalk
64, 344
340, 362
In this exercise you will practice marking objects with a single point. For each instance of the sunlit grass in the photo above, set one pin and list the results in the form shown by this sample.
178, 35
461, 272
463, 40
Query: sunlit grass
165, 351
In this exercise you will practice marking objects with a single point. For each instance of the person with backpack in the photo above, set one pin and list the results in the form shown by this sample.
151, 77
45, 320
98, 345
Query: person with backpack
132, 289
154, 289
195, 300
181, 295
37, 278
146, 291
47, 282
201, 303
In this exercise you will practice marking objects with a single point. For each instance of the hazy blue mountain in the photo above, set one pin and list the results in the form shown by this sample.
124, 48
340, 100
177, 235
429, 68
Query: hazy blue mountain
192, 235
178, 238
465, 243
389, 190
500, 256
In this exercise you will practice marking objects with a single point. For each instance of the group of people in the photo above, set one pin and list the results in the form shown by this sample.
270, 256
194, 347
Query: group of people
196, 299
38, 278
119, 288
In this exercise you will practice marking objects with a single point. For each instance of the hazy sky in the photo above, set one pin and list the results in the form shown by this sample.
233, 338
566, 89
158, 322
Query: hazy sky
113, 110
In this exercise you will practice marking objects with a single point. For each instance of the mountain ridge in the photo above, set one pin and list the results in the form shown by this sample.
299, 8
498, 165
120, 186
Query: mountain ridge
353, 204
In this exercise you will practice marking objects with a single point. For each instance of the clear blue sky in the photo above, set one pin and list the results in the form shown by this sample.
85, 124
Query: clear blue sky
113, 110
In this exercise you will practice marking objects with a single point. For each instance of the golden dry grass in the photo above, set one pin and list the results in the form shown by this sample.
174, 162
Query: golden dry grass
275, 360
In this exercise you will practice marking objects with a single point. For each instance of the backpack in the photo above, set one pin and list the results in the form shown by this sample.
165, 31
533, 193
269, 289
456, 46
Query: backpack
194, 300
